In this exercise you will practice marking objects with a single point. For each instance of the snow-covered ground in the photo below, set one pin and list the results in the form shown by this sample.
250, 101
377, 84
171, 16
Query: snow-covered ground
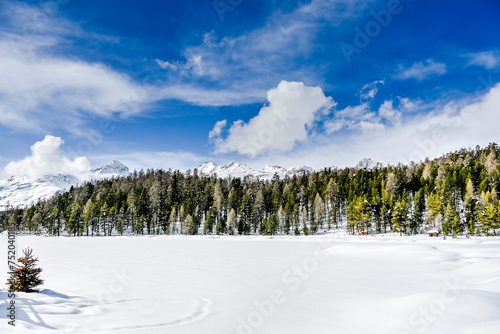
316, 284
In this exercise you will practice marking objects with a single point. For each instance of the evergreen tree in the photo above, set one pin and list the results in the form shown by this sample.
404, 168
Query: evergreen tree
400, 217
359, 214
25, 277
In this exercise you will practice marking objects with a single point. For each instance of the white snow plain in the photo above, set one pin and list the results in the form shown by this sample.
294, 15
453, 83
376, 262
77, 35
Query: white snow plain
243, 285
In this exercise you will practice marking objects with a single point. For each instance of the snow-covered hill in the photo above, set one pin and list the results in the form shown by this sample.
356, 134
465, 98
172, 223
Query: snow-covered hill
23, 190
241, 170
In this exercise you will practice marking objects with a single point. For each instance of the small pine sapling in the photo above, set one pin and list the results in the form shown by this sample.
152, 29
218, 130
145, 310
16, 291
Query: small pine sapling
26, 276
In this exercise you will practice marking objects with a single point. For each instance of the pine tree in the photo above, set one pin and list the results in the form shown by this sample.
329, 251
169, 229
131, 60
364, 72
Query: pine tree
400, 216
359, 214
25, 278
489, 218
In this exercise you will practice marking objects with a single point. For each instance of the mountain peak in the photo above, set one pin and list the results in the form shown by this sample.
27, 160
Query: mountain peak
113, 167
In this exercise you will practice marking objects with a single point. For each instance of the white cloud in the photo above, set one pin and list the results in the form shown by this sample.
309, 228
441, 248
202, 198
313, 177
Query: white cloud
358, 112
217, 130
421, 70
43, 91
47, 158
193, 65
368, 91
487, 59
387, 111
335, 125
407, 104
292, 110
258, 58
359, 117
449, 126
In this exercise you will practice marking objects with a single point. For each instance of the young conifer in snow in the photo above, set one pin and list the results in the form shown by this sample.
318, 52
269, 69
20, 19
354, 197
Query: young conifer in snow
26, 277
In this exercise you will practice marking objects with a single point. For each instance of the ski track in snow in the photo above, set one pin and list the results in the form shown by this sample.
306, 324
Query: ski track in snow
31, 312
200, 310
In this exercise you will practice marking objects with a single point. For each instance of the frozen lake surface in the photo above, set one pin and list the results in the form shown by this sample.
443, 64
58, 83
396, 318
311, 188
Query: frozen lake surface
316, 284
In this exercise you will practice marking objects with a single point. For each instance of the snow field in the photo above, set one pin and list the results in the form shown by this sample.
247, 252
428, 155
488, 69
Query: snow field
243, 285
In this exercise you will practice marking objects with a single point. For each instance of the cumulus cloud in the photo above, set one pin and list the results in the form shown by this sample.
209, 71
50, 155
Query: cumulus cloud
368, 91
442, 127
47, 158
287, 120
487, 59
421, 70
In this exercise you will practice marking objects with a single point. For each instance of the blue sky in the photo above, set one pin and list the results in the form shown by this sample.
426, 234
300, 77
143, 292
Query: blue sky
172, 84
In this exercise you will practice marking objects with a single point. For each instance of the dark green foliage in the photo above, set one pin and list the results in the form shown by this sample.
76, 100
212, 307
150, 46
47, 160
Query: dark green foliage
26, 277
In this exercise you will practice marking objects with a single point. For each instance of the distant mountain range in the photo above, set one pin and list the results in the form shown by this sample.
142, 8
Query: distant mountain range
23, 190
242, 170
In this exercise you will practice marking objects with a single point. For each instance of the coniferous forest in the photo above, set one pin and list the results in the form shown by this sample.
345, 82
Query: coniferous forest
454, 194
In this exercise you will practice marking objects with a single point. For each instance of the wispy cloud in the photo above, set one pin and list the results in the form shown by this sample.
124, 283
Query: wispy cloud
357, 118
387, 111
279, 50
421, 70
487, 59
217, 130
368, 91
41, 90
193, 65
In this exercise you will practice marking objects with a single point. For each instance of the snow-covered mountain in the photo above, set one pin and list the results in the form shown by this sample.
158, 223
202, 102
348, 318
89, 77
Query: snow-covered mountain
113, 168
23, 190
368, 163
241, 170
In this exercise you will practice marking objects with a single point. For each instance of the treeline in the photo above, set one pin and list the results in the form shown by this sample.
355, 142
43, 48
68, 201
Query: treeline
456, 193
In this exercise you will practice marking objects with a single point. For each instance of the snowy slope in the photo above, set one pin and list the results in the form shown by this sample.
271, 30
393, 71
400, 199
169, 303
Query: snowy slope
241, 170
23, 190
243, 285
